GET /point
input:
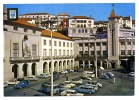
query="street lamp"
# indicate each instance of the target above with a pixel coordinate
(51, 21)
(94, 37)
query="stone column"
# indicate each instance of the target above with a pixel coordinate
(83, 64)
(132, 47)
(101, 52)
(29, 71)
(20, 71)
(126, 48)
(89, 64)
(101, 64)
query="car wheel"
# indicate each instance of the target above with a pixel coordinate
(90, 92)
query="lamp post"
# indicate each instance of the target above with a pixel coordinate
(94, 37)
(51, 21)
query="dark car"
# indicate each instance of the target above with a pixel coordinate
(104, 76)
(110, 75)
(22, 84)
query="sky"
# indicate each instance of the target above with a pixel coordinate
(98, 11)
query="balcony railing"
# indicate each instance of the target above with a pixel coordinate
(22, 59)
(58, 57)
(90, 57)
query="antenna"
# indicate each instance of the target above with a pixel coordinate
(113, 5)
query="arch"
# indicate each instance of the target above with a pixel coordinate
(33, 68)
(82, 30)
(85, 30)
(86, 64)
(56, 68)
(72, 64)
(64, 65)
(79, 31)
(81, 25)
(15, 70)
(68, 65)
(60, 66)
(98, 64)
(81, 64)
(45, 68)
(104, 64)
(25, 66)
(92, 65)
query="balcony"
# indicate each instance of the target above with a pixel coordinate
(89, 57)
(24, 59)
(58, 57)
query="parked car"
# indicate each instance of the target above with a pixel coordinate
(22, 84)
(64, 72)
(95, 83)
(43, 75)
(95, 87)
(77, 82)
(71, 70)
(85, 89)
(86, 78)
(12, 82)
(47, 88)
(71, 93)
(31, 78)
(20, 79)
(110, 75)
(5, 84)
(104, 76)
(88, 74)
(131, 74)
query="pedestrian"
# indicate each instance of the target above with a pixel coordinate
(67, 78)
(24, 93)
(114, 80)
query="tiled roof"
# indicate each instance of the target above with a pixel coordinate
(28, 19)
(54, 34)
(63, 14)
(35, 14)
(23, 21)
(80, 17)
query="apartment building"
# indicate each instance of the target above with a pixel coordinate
(80, 26)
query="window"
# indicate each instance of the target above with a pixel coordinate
(129, 52)
(34, 31)
(55, 52)
(92, 53)
(44, 42)
(63, 52)
(34, 50)
(129, 43)
(49, 42)
(133, 43)
(67, 44)
(122, 43)
(55, 43)
(85, 30)
(80, 45)
(81, 53)
(98, 52)
(104, 53)
(63, 44)
(133, 52)
(86, 44)
(98, 44)
(122, 52)
(70, 44)
(15, 28)
(91, 44)
(79, 31)
(71, 52)
(68, 52)
(25, 30)
(59, 52)
(44, 53)
(104, 44)
(59, 44)
(49, 52)
(15, 50)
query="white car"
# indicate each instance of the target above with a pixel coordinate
(12, 82)
(74, 82)
(71, 93)
(44, 75)
(69, 85)
(31, 78)
(71, 70)
(64, 72)
(131, 74)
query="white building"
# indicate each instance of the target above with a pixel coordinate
(62, 52)
(80, 26)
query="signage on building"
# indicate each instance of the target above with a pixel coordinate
(12, 14)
